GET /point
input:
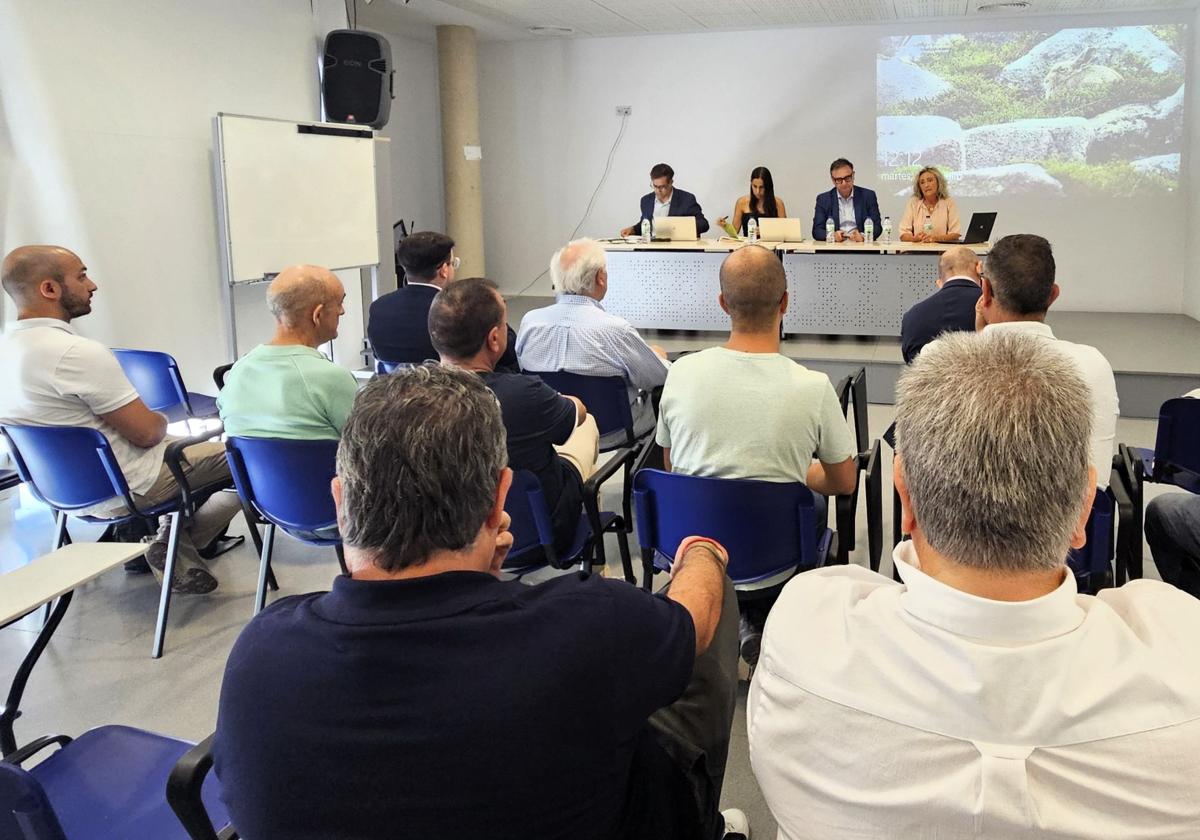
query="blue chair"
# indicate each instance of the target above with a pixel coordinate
(533, 530)
(70, 468)
(1174, 460)
(382, 367)
(852, 391)
(1092, 564)
(769, 528)
(159, 383)
(285, 482)
(110, 783)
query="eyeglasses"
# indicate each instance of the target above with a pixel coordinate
(660, 187)
(845, 180)
(455, 262)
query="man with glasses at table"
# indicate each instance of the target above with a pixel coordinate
(668, 201)
(849, 206)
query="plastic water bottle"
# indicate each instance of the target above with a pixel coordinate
(887, 230)
(829, 231)
(752, 230)
(645, 231)
(869, 230)
(928, 226)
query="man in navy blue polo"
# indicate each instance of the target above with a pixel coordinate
(425, 697)
(950, 309)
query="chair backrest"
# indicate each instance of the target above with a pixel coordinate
(1090, 563)
(1177, 446)
(531, 527)
(25, 810)
(286, 481)
(156, 377)
(382, 367)
(67, 467)
(606, 398)
(766, 526)
(219, 374)
(858, 397)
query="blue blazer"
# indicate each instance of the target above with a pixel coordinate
(949, 309)
(683, 203)
(865, 205)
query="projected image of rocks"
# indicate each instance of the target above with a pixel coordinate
(1078, 112)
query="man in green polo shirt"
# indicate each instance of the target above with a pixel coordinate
(286, 388)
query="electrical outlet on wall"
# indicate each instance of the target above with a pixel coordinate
(624, 110)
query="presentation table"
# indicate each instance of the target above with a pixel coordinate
(847, 288)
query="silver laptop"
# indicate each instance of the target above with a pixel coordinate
(780, 230)
(675, 228)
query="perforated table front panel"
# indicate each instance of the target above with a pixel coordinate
(669, 290)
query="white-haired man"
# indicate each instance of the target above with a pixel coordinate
(575, 334)
(982, 697)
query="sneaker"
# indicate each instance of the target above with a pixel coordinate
(737, 825)
(750, 641)
(192, 577)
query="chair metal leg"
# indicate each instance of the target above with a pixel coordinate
(874, 492)
(164, 598)
(260, 594)
(341, 556)
(647, 569)
(248, 515)
(626, 561)
(60, 529)
(12, 705)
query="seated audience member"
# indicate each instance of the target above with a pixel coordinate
(950, 308)
(550, 435)
(575, 334)
(1173, 533)
(52, 376)
(398, 323)
(981, 697)
(930, 202)
(760, 203)
(286, 388)
(667, 201)
(743, 410)
(849, 206)
(1018, 290)
(428, 698)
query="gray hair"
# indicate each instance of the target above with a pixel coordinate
(419, 462)
(292, 302)
(958, 261)
(992, 430)
(575, 266)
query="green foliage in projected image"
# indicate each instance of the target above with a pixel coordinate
(1101, 180)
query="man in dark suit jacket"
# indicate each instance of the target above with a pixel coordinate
(831, 205)
(678, 202)
(398, 324)
(951, 308)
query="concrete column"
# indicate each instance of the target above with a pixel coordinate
(458, 84)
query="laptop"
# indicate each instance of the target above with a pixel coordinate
(980, 229)
(674, 228)
(780, 230)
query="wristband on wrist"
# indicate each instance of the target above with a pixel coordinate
(712, 546)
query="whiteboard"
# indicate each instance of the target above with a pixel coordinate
(294, 192)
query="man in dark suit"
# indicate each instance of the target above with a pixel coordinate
(668, 201)
(398, 324)
(849, 206)
(951, 308)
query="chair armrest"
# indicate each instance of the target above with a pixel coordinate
(616, 461)
(36, 746)
(173, 457)
(184, 786)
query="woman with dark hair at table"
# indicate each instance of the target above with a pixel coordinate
(760, 203)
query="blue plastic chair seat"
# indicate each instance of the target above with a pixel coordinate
(583, 532)
(110, 784)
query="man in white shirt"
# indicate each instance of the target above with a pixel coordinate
(982, 697)
(52, 376)
(1018, 289)
(575, 334)
(743, 410)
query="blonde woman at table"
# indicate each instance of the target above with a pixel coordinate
(931, 202)
(760, 203)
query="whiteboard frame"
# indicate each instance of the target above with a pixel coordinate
(225, 243)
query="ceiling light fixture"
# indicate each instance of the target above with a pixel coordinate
(1003, 6)
(551, 30)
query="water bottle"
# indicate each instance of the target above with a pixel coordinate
(887, 230)
(928, 226)
(645, 231)
(829, 231)
(752, 230)
(869, 231)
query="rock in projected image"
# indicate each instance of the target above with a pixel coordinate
(919, 141)
(902, 81)
(1092, 47)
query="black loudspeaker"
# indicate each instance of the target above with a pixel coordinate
(357, 85)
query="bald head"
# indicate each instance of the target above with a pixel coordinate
(307, 300)
(752, 287)
(47, 281)
(959, 261)
(575, 268)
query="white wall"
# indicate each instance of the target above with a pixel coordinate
(1191, 283)
(109, 107)
(715, 105)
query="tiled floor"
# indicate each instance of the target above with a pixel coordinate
(98, 668)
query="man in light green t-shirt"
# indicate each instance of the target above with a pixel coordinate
(743, 410)
(286, 388)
